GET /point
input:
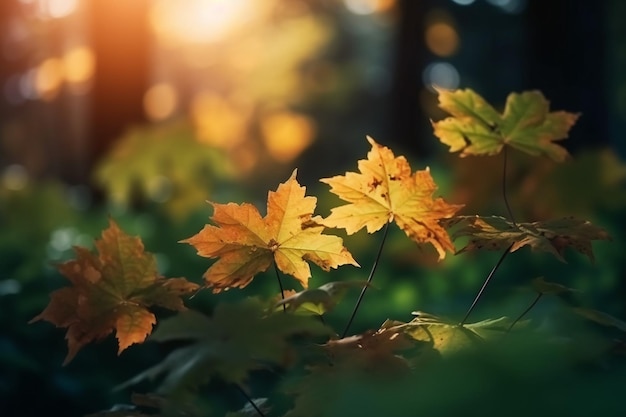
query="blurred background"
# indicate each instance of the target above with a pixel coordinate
(142, 110)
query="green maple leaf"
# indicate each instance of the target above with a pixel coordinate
(112, 291)
(319, 300)
(476, 128)
(235, 340)
(448, 337)
(552, 236)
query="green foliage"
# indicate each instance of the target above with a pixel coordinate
(164, 164)
(280, 357)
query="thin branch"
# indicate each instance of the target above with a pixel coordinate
(482, 289)
(280, 285)
(369, 280)
(250, 400)
(506, 201)
(530, 307)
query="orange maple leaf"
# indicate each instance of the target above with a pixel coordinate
(385, 191)
(247, 243)
(111, 291)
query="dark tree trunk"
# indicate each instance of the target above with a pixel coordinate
(120, 37)
(566, 61)
(408, 122)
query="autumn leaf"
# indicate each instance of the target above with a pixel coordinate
(386, 190)
(476, 128)
(247, 243)
(112, 291)
(552, 236)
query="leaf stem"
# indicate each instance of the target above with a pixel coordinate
(530, 307)
(280, 285)
(369, 280)
(506, 201)
(482, 289)
(250, 400)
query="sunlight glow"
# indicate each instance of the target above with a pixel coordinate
(49, 78)
(198, 21)
(287, 134)
(57, 9)
(442, 39)
(79, 64)
(365, 7)
(220, 122)
(160, 101)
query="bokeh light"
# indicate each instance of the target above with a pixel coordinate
(79, 64)
(287, 134)
(49, 78)
(14, 177)
(57, 9)
(442, 39)
(160, 101)
(441, 74)
(198, 21)
(365, 7)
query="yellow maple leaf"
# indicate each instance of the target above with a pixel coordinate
(112, 291)
(476, 128)
(247, 243)
(386, 190)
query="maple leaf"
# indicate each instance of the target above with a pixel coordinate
(448, 337)
(476, 128)
(318, 300)
(112, 291)
(553, 236)
(386, 190)
(247, 243)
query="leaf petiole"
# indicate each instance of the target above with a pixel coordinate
(250, 400)
(280, 285)
(530, 307)
(482, 289)
(369, 281)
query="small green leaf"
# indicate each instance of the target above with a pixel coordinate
(319, 300)
(448, 337)
(601, 318)
(549, 288)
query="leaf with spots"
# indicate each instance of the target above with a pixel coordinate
(527, 124)
(386, 190)
(112, 290)
(552, 236)
(247, 243)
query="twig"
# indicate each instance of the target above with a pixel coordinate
(480, 293)
(369, 280)
(250, 400)
(525, 311)
(280, 285)
(506, 201)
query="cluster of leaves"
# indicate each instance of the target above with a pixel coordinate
(286, 335)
